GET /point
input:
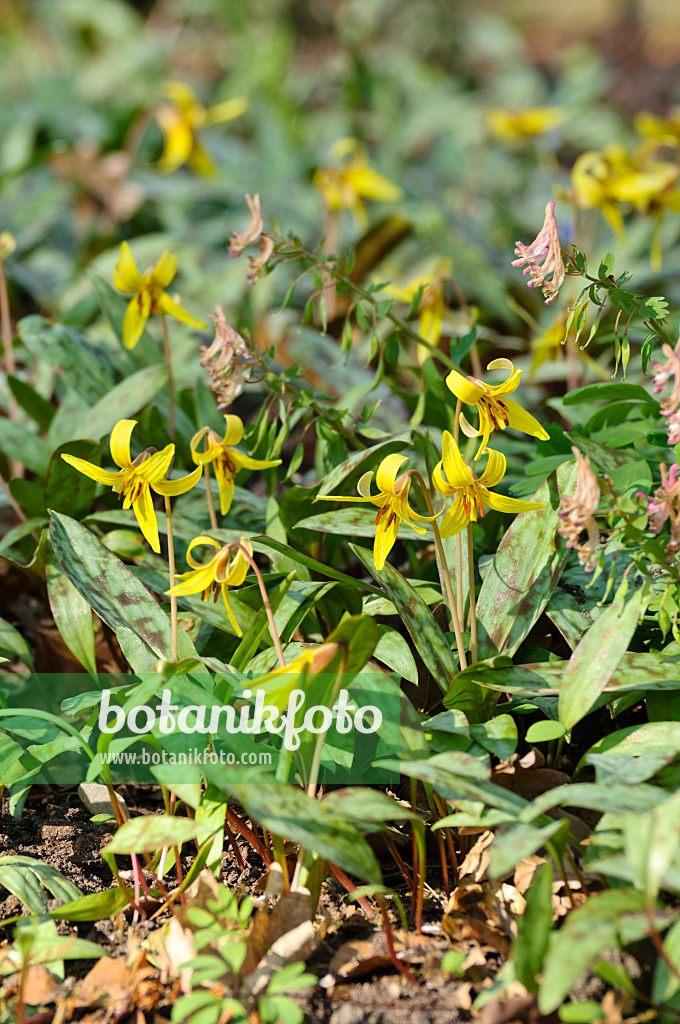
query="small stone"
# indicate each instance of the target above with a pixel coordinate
(95, 798)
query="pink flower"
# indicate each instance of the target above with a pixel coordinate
(543, 257)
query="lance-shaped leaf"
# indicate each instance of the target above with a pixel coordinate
(597, 656)
(430, 642)
(524, 571)
(72, 613)
(117, 596)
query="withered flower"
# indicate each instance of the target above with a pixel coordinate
(670, 406)
(240, 240)
(543, 257)
(105, 189)
(576, 513)
(663, 506)
(227, 359)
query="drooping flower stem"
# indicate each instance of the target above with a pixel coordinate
(458, 542)
(211, 503)
(473, 603)
(10, 364)
(265, 601)
(444, 575)
(174, 655)
(167, 355)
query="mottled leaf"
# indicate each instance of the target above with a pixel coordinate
(524, 571)
(72, 613)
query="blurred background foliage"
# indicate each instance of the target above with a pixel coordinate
(428, 87)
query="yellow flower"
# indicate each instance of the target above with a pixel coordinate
(150, 295)
(658, 127)
(280, 682)
(135, 480)
(8, 244)
(515, 126)
(472, 494)
(432, 304)
(606, 178)
(391, 499)
(495, 410)
(181, 122)
(345, 186)
(226, 460)
(226, 569)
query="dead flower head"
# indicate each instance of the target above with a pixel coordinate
(576, 513)
(663, 506)
(227, 359)
(543, 257)
(240, 240)
(670, 406)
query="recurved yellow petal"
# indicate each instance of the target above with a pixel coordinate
(385, 535)
(495, 468)
(166, 305)
(520, 419)
(178, 140)
(102, 476)
(463, 388)
(146, 517)
(165, 269)
(136, 315)
(171, 488)
(227, 110)
(126, 277)
(234, 432)
(119, 442)
(454, 520)
(387, 472)
(501, 503)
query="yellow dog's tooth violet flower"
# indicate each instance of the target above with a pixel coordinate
(134, 481)
(392, 502)
(345, 186)
(432, 303)
(453, 476)
(514, 126)
(227, 568)
(180, 122)
(224, 458)
(495, 410)
(149, 294)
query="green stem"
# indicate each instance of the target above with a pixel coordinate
(167, 355)
(265, 601)
(10, 364)
(444, 575)
(174, 655)
(473, 603)
(323, 266)
(458, 540)
(211, 503)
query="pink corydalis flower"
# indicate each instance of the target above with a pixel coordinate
(663, 505)
(543, 257)
(670, 406)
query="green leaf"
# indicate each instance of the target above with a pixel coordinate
(151, 832)
(517, 841)
(589, 929)
(30, 881)
(26, 447)
(428, 638)
(121, 402)
(292, 814)
(348, 522)
(37, 407)
(609, 391)
(524, 571)
(72, 613)
(311, 563)
(95, 906)
(533, 931)
(67, 490)
(597, 656)
(13, 645)
(117, 596)
(393, 651)
(545, 731)
(651, 843)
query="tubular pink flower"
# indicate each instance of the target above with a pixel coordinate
(543, 257)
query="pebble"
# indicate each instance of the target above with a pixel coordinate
(95, 798)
